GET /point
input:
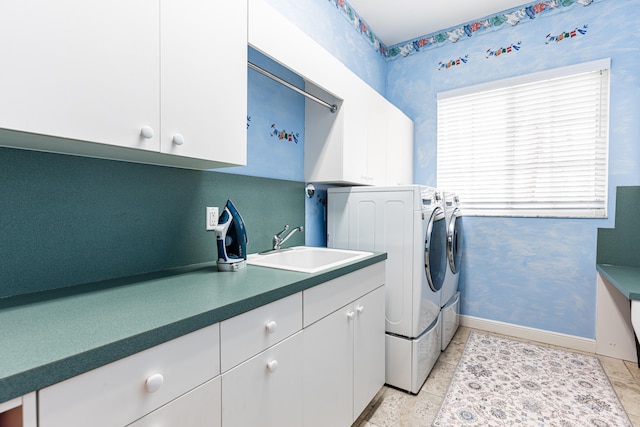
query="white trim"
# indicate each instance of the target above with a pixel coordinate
(585, 67)
(10, 404)
(524, 332)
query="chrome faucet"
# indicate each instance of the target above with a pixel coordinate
(278, 240)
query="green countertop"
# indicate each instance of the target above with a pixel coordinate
(54, 335)
(625, 279)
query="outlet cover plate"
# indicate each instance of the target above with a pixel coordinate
(212, 218)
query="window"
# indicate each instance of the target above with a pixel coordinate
(534, 145)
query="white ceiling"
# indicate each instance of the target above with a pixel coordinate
(402, 20)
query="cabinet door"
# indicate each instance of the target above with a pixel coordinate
(198, 408)
(204, 88)
(399, 147)
(265, 390)
(369, 349)
(377, 139)
(328, 370)
(354, 139)
(324, 142)
(81, 70)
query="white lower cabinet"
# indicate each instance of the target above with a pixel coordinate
(314, 358)
(368, 349)
(265, 390)
(198, 408)
(344, 362)
(344, 351)
(124, 391)
(246, 335)
(328, 371)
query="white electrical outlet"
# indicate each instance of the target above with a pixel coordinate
(212, 218)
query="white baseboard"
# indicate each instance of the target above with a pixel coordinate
(546, 337)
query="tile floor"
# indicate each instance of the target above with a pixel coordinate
(394, 408)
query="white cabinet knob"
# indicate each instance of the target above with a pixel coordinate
(271, 326)
(146, 132)
(178, 139)
(154, 382)
(272, 366)
(350, 315)
(360, 309)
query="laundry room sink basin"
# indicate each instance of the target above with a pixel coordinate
(306, 259)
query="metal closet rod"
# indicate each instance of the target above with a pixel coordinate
(332, 107)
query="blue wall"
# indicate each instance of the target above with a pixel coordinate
(275, 124)
(538, 273)
(532, 272)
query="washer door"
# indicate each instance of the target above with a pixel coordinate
(454, 241)
(435, 249)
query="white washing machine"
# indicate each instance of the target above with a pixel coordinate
(408, 223)
(449, 296)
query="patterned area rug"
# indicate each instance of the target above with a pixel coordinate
(501, 382)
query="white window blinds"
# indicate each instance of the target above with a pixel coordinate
(535, 145)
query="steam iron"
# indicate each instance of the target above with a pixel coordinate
(231, 239)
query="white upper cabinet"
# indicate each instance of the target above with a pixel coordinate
(350, 146)
(81, 70)
(130, 80)
(204, 88)
(376, 131)
(399, 147)
(368, 141)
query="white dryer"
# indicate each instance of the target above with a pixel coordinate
(408, 223)
(450, 297)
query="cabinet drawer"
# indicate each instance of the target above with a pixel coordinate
(248, 334)
(198, 408)
(326, 298)
(121, 392)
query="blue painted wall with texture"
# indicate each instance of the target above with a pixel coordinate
(275, 124)
(538, 273)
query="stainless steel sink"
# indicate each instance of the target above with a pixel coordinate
(306, 259)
